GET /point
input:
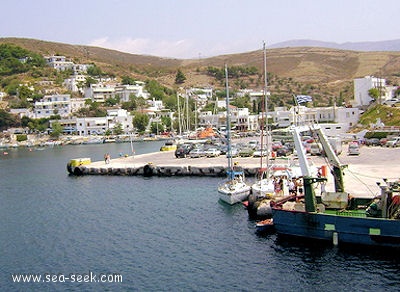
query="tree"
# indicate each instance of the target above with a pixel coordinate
(118, 130)
(56, 130)
(374, 93)
(180, 78)
(140, 121)
(126, 80)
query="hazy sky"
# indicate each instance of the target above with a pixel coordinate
(198, 28)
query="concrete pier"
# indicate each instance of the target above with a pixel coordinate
(165, 164)
(362, 174)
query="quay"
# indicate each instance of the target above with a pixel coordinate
(164, 163)
(362, 174)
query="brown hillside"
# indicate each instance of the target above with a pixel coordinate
(318, 66)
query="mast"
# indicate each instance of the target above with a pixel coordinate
(179, 114)
(265, 109)
(228, 123)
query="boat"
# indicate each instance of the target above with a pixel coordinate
(272, 181)
(265, 226)
(264, 187)
(375, 224)
(169, 145)
(234, 189)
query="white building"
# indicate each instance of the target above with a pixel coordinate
(334, 120)
(99, 125)
(77, 103)
(124, 92)
(75, 83)
(363, 85)
(51, 105)
(59, 63)
(99, 93)
(240, 118)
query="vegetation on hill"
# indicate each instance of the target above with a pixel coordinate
(325, 74)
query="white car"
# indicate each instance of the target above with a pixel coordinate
(196, 153)
(393, 142)
(354, 149)
(212, 152)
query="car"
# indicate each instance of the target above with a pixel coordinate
(197, 153)
(354, 149)
(284, 151)
(395, 142)
(372, 142)
(212, 152)
(392, 102)
(316, 148)
(246, 152)
(276, 145)
(183, 150)
(234, 153)
(260, 153)
(253, 144)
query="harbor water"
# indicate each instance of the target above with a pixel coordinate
(157, 233)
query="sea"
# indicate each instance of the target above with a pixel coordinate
(132, 233)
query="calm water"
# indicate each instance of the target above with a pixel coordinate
(160, 234)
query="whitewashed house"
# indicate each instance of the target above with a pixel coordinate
(363, 85)
(51, 105)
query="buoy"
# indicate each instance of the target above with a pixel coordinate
(324, 171)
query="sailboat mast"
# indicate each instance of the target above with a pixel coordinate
(228, 121)
(265, 109)
(179, 114)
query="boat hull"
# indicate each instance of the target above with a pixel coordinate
(234, 196)
(338, 229)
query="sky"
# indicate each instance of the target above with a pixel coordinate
(186, 29)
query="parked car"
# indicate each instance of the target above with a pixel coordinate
(183, 150)
(276, 145)
(212, 152)
(197, 153)
(246, 152)
(373, 142)
(316, 148)
(395, 142)
(284, 151)
(392, 102)
(259, 153)
(354, 149)
(234, 152)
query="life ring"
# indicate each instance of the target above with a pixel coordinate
(148, 170)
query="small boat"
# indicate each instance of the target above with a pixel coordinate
(374, 224)
(169, 146)
(234, 189)
(265, 226)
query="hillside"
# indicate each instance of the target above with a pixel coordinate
(329, 70)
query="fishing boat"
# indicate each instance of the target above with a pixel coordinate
(234, 189)
(374, 224)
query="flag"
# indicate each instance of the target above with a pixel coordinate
(303, 98)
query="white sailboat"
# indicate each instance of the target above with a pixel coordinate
(234, 189)
(264, 187)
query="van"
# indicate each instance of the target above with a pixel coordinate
(354, 149)
(316, 148)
